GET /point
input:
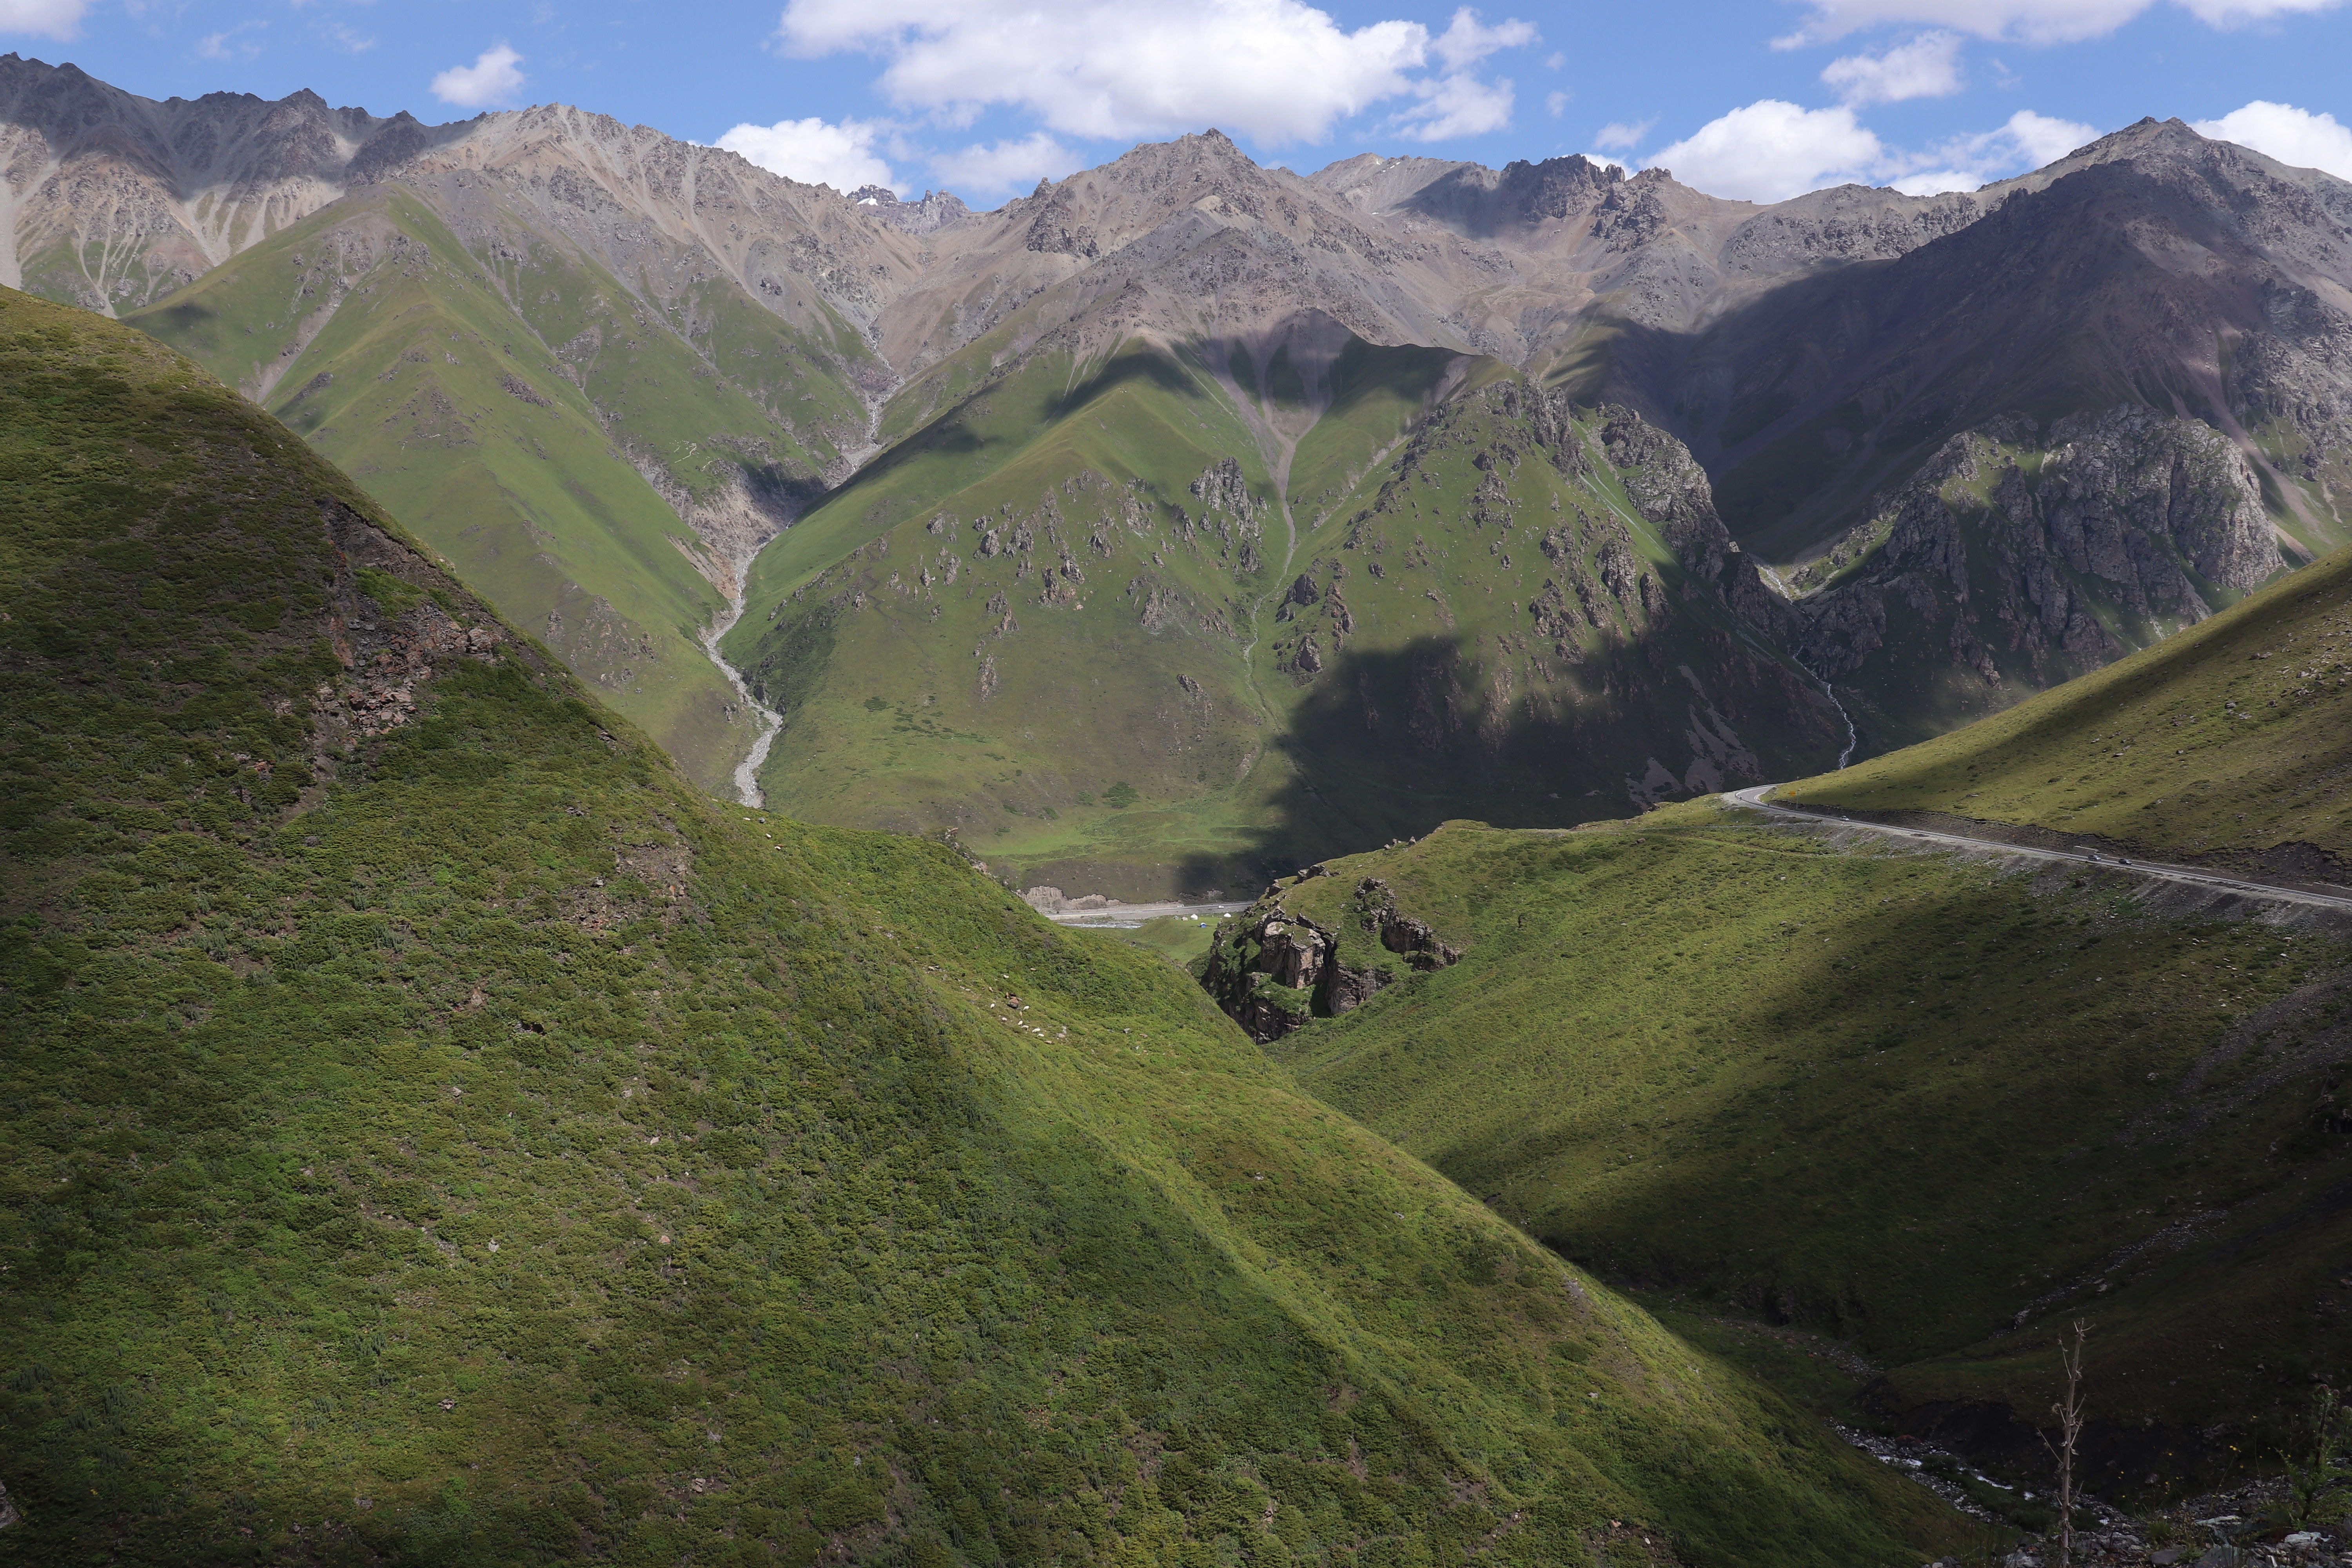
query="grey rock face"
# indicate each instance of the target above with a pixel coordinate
(2292, 381)
(2126, 525)
(1672, 491)
(935, 211)
(116, 199)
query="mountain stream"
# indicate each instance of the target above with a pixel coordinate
(1853, 735)
(747, 772)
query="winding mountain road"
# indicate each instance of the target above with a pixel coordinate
(1753, 798)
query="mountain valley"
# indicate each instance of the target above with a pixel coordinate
(1934, 1105)
(448, 1135)
(541, 659)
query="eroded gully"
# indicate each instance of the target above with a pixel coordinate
(772, 722)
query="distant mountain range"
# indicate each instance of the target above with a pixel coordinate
(1940, 452)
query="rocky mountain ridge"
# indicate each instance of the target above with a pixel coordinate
(738, 346)
(1688, 307)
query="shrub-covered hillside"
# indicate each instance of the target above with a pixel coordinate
(1158, 624)
(435, 1133)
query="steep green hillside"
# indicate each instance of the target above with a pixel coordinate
(1075, 619)
(589, 464)
(438, 1133)
(1522, 615)
(1932, 1106)
(2228, 741)
(1023, 607)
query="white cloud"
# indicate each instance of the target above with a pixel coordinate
(1468, 40)
(59, 19)
(1772, 151)
(491, 78)
(227, 46)
(2238, 13)
(1620, 134)
(2045, 139)
(815, 153)
(2291, 135)
(2027, 21)
(2027, 141)
(1275, 71)
(1458, 104)
(1556, 104)
(340, 36)
(984, 171)
(1927, 67)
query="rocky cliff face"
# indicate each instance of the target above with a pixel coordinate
(2017, 558)
(113, 200)
(1274, 970)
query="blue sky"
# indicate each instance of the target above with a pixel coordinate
(1756, 101)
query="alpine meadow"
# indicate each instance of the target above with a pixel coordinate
(1636, 858)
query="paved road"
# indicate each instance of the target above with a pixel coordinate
(1754, 799)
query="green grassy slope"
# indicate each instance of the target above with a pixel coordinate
(1933, 1107)
(510, 407)
(1375, 395)
(439, 1133)
(1060, 588)
(2228, 740)
(1520, 617)
(1032, 601)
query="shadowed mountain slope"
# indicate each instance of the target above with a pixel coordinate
(1933, 1103)
(441, 1134)
(1065, 622)
(1936, 1107)
(2014, 561)
(2155, 267)
(2227, 744)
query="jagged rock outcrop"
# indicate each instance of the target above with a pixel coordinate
(1672, 491)
(2026, 557)
(934, 211)
(1274, 970)
(388, 636)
